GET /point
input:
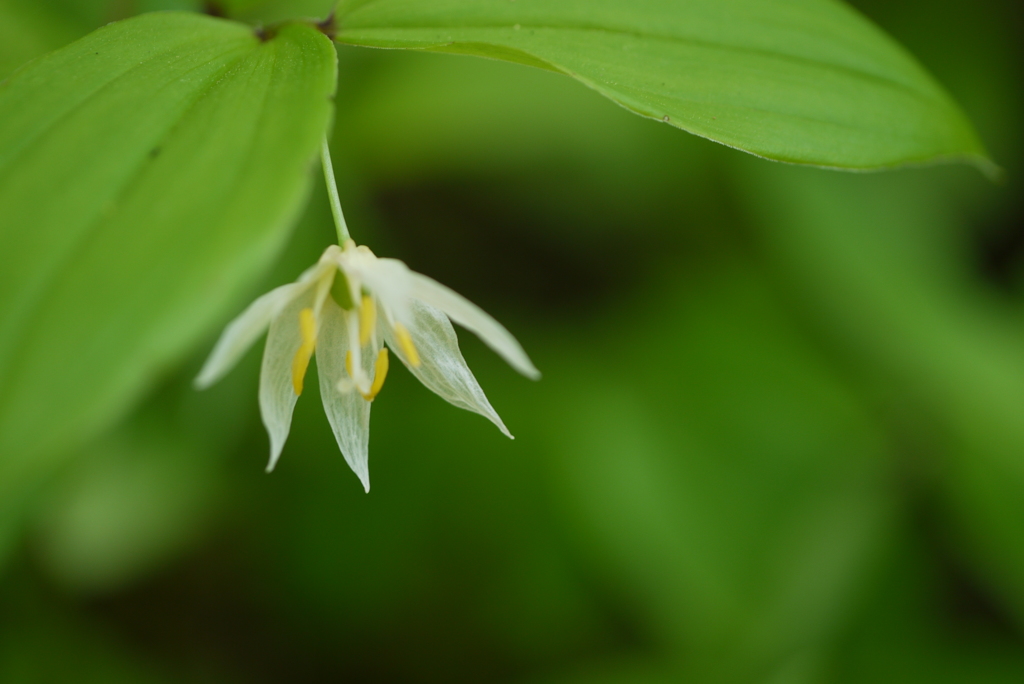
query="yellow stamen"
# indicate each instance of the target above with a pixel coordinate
(307, 328)
(367, 320)
(408, 348)
(348, 364)
(380, 373)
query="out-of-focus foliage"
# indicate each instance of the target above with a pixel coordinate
(778, 437)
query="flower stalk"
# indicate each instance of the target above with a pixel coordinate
(332, 193)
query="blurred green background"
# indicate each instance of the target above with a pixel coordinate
(779, 438)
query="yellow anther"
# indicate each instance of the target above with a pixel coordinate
(408, 348)
(307, 328)
(380, 373)
(367, 320)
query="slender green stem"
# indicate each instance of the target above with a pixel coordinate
(332, 192)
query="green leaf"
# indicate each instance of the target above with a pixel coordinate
(148, 173)
(803, 81)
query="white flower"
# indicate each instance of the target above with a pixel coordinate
(345, 308)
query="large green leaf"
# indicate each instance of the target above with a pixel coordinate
(148, 172)
(805, 81)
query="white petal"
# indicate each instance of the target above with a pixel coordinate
(442, 368)
(347, 411)
(239, 335)
(390, 280)
(473, 318)
(277, 395)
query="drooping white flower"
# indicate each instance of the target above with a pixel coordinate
(345, 309)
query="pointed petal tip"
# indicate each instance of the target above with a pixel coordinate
(500, 425)
(275, 454)
(522, 364)
(205, 378)
(467, 314)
